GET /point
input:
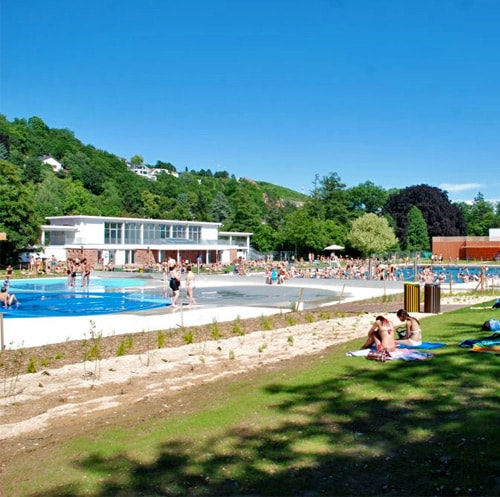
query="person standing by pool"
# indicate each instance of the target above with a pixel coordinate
(175, 284)
(190, 285)
(71, 272)
(85, 265)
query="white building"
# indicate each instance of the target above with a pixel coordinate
(53, 163)
(140, 242)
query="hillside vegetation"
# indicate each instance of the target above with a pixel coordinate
(96, 182)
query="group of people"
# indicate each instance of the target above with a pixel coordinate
(174, 272)
(382, 333)
(73, 266)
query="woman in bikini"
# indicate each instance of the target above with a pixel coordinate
(190, 285)
(381, 334)
(413, 334)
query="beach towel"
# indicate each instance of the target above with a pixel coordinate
(423, 345)
(410, 355)
(487, 346)
(358, 353)
(490, 341)
(402, 354)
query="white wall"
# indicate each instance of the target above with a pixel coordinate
(494, 234)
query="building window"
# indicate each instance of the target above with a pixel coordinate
(156, 233)
(195, 233)
(178, 231)
(133, 233)
(112, 233)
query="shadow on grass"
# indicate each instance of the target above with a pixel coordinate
(426, 428)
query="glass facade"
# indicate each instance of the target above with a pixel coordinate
(112, 233)
(133, 233)
(178, 231)
(156, 233)
(195, 233)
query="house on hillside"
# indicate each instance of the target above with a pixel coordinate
(53, 163)
(142, 170)
(124, 242)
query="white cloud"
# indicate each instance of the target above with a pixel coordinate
(460, 187)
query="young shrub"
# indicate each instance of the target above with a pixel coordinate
(215, 330)
(188, 337)
(237, 328)
(31, 367)
(160, 339)
(267, 322)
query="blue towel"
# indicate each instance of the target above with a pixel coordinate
(424, 345)
(471, 343)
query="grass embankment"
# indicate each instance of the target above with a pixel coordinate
(328, 425)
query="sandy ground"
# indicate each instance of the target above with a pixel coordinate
(77, 391)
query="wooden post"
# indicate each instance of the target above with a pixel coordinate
(2, 344)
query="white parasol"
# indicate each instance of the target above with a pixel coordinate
(334, 247)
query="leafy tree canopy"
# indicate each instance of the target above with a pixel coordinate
(371, 234)
(441, 216)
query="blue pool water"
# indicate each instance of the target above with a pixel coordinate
(52, 297)
(457, 274)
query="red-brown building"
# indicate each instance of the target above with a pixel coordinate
(473, 248)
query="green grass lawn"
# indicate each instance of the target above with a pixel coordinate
(330, 425)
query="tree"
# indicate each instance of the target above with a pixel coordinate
(220, 210)
(418, 239)
(33, 170)
(480, 216)
(247, 207)
(50, 194)
(79, 201)
(18, 217)
(371, 234)
(441, 216)
(329, 201)
(367, 198)
(265, 239)
(137, 160)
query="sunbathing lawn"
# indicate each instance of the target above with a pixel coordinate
(324, 425)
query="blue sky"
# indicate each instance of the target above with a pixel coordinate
(396, 92)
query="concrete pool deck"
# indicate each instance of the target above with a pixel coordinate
(31, 332)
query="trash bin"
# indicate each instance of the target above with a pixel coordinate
(432, 298)
(412, 297)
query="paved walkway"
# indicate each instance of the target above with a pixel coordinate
(343, 295)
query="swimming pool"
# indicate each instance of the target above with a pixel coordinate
(457, 274)
(52, 297)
